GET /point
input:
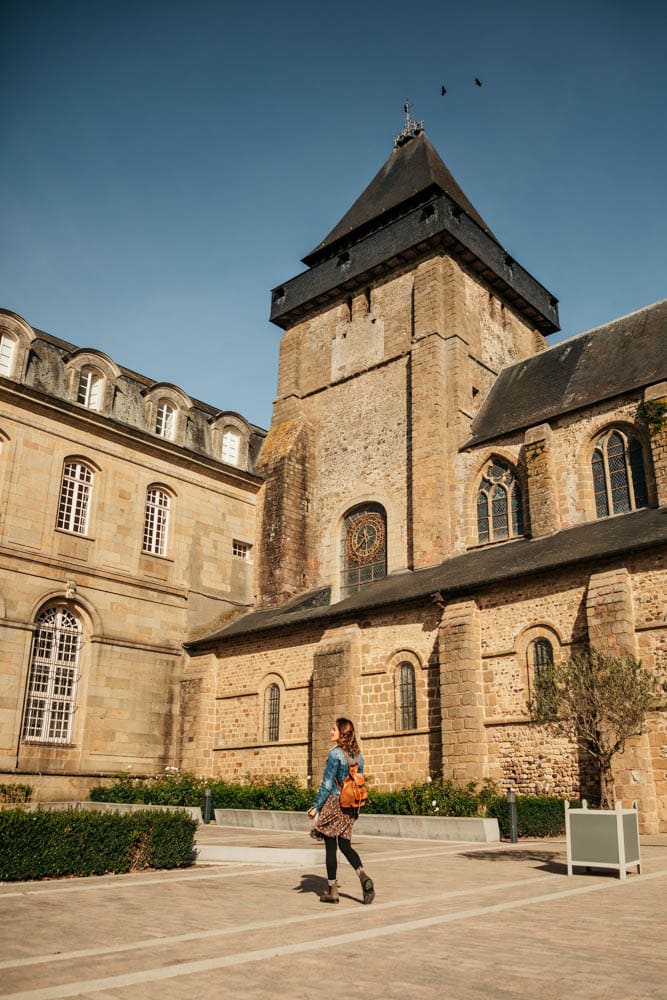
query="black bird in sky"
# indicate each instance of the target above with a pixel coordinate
(478, 81)
(444, 90)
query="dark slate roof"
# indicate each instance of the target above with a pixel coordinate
(605, 538)
(627, 354)
(411, 209)
(411, 170)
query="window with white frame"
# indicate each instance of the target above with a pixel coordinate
(165, 420)
(156, 521)
(54, 668)
(89, 390)
(241, 549)
(231, 446)
(75, 496)
(619, 480)
(7, 351)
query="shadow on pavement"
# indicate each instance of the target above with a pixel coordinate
(548, 861)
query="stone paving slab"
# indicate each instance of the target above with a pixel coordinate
(459, 921)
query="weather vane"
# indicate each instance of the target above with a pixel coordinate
(411, 128)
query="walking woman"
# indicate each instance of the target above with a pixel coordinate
(334, 824)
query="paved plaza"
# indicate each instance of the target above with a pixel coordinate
(450, 920)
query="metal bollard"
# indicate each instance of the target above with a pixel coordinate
(514, 826)
(207, 805)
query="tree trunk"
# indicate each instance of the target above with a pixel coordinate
(606, 785)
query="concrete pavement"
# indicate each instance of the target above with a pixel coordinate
(461, 921)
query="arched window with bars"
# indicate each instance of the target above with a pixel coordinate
(54, 664)
(619, 478)
(499, 504)
(406, 698)
(272, 713)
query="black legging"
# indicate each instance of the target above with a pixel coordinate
(347, 850)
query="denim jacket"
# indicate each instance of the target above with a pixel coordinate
(335, 770)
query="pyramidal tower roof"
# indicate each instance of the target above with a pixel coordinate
(413, 171)
(411, 209)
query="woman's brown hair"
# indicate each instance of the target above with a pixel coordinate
(347, 739)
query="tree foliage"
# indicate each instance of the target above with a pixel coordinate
(602, 699)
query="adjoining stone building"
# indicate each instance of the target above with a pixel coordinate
(127, 519)
(447, 504)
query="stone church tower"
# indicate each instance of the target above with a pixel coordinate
(408, 310)
(448, 504)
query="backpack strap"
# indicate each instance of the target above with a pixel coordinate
(350, 762)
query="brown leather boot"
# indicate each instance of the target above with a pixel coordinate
(367, 886)
(331, 895)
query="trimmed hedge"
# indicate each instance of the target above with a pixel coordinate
(43, 844)
(537, 815)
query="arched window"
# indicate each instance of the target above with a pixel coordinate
(7, 352)
(53, 675)
(272, 713)
(499, 504)
(543, 655)
(619, 480)
(406, 700)
(89, 390)
(75, 496)
(364, 547)
(156, 521)
(231, 446)
(165, 420)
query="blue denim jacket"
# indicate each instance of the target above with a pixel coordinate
(335, 770)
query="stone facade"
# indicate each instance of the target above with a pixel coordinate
(134, 607)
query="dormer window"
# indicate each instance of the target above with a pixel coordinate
(7, 352)
(89, 391)
(165, 420)
(231, 446)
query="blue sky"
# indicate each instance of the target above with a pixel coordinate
(165, 164)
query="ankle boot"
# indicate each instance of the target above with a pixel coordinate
(367, 886)
(331, 895)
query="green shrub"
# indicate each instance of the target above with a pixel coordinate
(537, 815)
(15, 793)
(44, 844)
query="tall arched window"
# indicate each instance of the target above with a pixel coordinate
(543, 655)
(7, 352)
(406, 696)
(89, 389)
(75, 495)
(364, 547)
(165, 420)
(499, 504)
(53, 675)
(272, 713)
(156, 521)
(619, 480)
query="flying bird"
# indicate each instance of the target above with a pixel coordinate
(478, 81)
(444, 90)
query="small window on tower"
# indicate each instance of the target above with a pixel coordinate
(241, 550)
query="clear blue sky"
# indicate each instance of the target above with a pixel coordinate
(165, 164)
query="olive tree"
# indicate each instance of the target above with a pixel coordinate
(600, 699)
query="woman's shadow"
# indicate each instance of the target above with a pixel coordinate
(318, 885)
